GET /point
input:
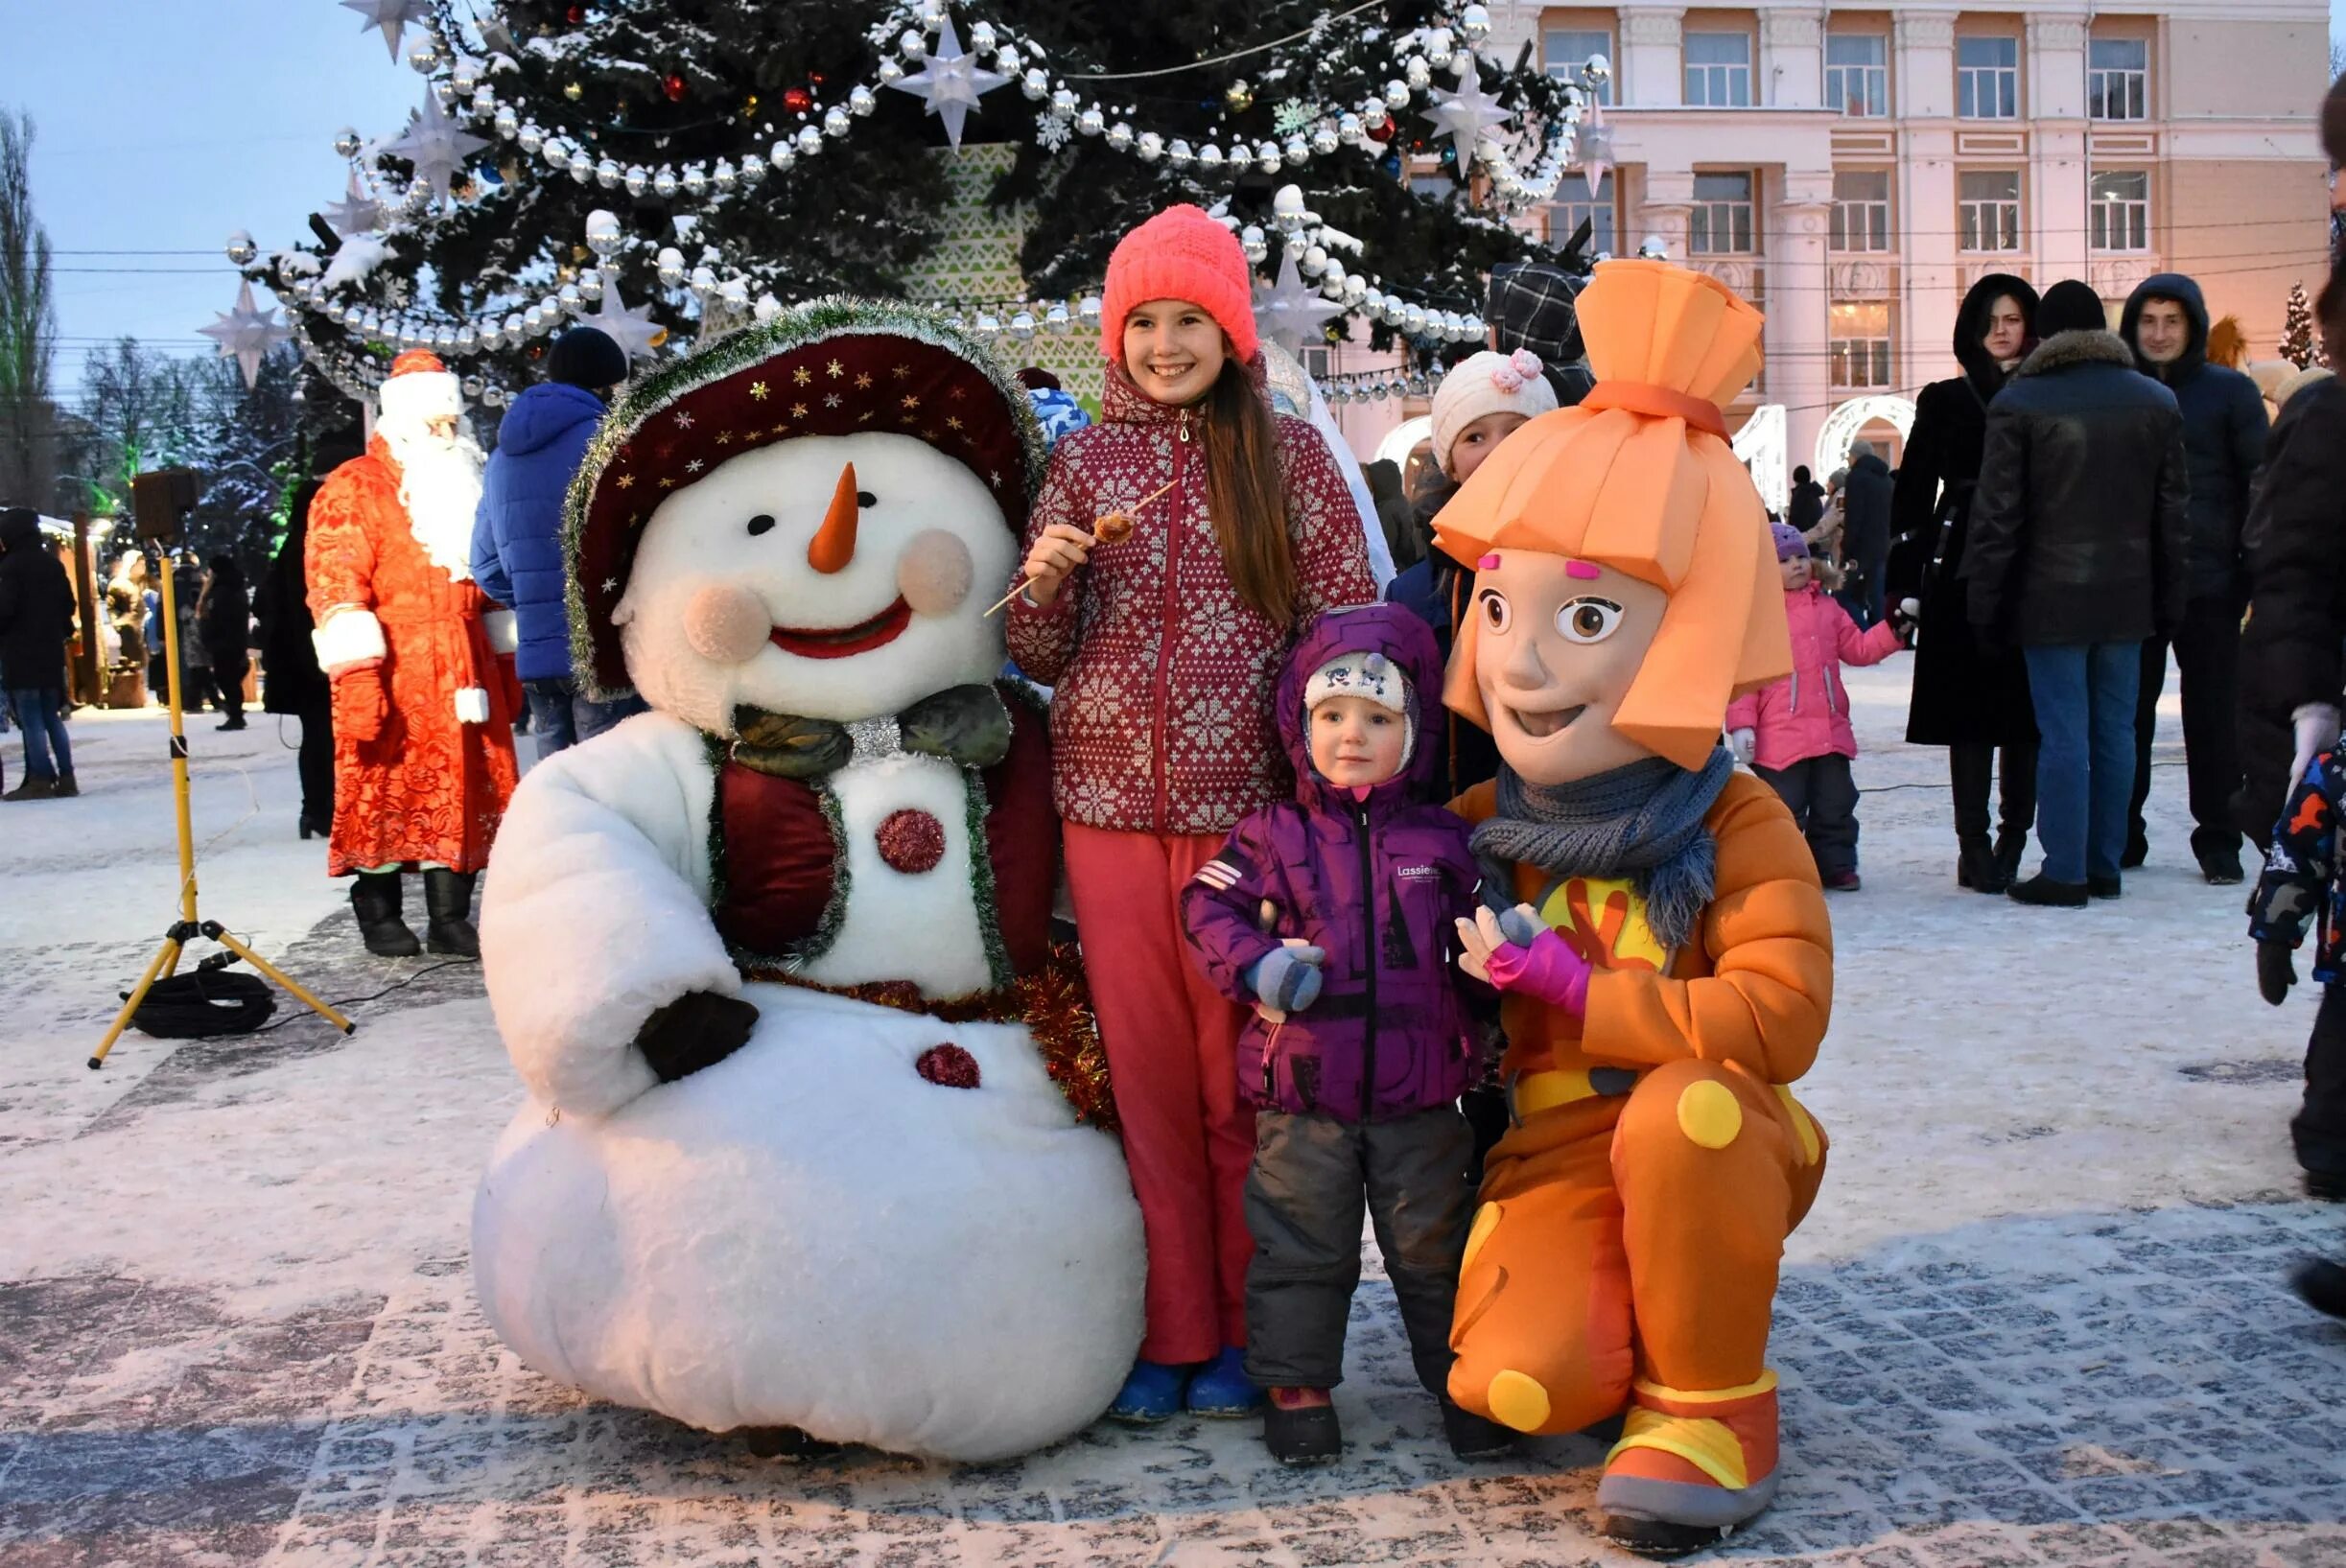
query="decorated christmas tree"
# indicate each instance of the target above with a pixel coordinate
(2300, 344)
(666, 168)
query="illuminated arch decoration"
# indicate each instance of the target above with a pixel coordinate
(1841, 425)
(1763, 447)
(1398, 443)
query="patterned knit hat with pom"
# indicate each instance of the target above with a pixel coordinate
(1180, 255)
(1374, 676)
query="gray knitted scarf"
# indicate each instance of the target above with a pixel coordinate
(1643, 821)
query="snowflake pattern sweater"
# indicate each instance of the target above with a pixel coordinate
(1163, 678)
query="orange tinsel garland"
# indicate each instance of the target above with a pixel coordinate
(1053, 1002)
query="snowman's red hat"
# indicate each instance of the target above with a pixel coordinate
(836, 366)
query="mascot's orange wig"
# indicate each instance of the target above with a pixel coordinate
(1639, 477)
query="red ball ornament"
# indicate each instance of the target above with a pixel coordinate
(1381, 133)
(673, 86)
(947, 1066)
(798, 100)
(575, 15)
(911, 841)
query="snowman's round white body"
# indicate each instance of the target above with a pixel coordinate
(817, 1231)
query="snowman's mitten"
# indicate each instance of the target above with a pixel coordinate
(1288, 978)
(698, 1029)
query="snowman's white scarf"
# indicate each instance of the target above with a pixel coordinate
(440, 486)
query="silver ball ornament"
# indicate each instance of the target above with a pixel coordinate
(782, 157)
(425, 57)
(569, 297)
(1064, 102)
(607, 175)
(532, 140)
(1056, 319)
(890, 71)
(581, 166)
(670, 267)
(1036, 83)
(1022, 326)
(1209, 157)
(724, 176)
(913, 44)
(1418, 71)
(241, 248)
(663, 183)
(346, 142)
(1088, 310)
(696, 181)
(1120, 137)
(1091, 121)
(1298, 151)
(637, 179)
(1150, 146)
(1598, 71)
(809, 141)
(860, 103)
(472, 386)
(982, 39)
(1440, 51)
(508, 124)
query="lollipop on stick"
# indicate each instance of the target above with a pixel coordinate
(1112, 529)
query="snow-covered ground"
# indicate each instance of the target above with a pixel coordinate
(2037, 1317)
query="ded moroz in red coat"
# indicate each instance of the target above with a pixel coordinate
(430, 788)
(1163, 677)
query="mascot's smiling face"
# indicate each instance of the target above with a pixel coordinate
(829, 577)
(1558, 644)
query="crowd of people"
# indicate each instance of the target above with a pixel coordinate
(1322, 993)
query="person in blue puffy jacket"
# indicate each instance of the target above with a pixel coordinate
(517, 537)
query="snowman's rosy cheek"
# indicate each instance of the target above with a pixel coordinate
(726, 624)
(935, 572)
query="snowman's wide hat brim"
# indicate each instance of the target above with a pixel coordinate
(835, 367)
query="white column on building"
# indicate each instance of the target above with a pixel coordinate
(1666, 209)
(1923, 90)
(1799, 317)
(2052, 76)
(1651, 69)
(1792, 58)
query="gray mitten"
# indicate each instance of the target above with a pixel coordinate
(1288, 978)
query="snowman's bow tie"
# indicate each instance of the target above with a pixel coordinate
(968, 725)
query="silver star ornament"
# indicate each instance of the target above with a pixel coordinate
(393, 16)
(951, 82)
(630, 326)
(356, 213)
(246, 333)
(1462, 115)
(1289, 311)
(436, 147)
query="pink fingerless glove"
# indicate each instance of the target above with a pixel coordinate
(1548, 969)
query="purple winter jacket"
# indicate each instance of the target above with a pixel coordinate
(1375, 882)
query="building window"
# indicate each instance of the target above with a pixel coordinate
(2118, 78)
(1990, 200)
(1861, 210)
(1573, 202)
(2119, 211)
(1721, 223)
(1860, 345)
(1563, 51)
(1719, 70)
(1987, 79)
(1857, 73)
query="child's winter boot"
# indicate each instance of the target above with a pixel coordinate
(1152, 1393)
(1222, 1388)
(1300, 1427)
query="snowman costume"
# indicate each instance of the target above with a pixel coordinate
(878, 1219)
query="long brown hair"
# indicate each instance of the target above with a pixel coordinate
(1246, 496)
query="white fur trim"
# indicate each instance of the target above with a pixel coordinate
(472, 705)
(596, 911)
(505, 635)
(350, 638)
(411, 398)
(885, 905)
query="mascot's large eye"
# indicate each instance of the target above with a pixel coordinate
(1588, 618)
(1496, 615)
(759, 523)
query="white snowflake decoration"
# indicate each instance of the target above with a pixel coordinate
(1292, 118)
(1051, 132)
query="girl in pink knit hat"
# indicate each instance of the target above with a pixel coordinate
(1175, 549)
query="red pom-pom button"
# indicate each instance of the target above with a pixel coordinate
(949, 1066)
(911, 841)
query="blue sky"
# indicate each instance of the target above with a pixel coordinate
(253, 92)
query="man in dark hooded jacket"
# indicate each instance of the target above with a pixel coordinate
(1864, 544)
(2166, 323)
(36, 613)
(517, 538)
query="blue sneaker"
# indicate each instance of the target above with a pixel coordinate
(1151, 1393)
(1222, 1388)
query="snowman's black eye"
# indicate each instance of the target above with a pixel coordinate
(865, 498)
(759, 523)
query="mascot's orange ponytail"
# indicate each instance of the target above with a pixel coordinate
(1625, 1252)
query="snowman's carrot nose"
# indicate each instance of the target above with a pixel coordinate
(834, 544)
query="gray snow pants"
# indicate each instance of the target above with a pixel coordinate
(1313, 1175)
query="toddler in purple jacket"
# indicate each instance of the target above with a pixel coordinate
(1332, 915)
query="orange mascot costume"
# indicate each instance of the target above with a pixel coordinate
(1654, 922)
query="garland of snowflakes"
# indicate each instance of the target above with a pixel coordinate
(950, 80)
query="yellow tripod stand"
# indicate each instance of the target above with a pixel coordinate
(162, 498)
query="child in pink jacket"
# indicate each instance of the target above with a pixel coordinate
(1796, 734)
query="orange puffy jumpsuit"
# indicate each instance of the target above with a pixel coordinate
(1632, 1218)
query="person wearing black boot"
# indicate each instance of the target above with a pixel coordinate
(1973, 702)
(2077, 541)
(293, 684)
(374, 899)
(448, 901)
(224, 614)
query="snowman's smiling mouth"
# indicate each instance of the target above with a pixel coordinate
(840, 641)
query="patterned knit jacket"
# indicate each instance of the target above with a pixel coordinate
(1161, 717)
